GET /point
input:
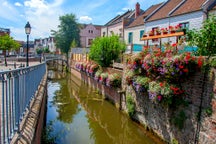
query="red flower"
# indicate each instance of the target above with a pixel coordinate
(185, 70)
(174, 45)
(161, 84)
(159, 97)
(200, 61)
(181, 66)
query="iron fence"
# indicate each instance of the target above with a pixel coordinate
(17, 89)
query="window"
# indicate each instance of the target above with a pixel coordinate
(130, 37)
(89, 41)
(104, 33)
(141, 33)
(185, 25)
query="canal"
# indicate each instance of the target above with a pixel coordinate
(77, 114)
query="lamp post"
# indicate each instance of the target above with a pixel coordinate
(27, 31)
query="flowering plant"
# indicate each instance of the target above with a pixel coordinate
(113, 80)
(97, 75)
(103, 77)
(163, 73)
(141, 83)
(164, 30)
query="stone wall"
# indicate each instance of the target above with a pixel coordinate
(109, 93)
(200, 94)
(161, 119)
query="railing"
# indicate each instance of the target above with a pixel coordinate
(17, 89)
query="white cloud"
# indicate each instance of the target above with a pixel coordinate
(85, 19)
(125, 9)
(43, 16)
(8, 12)
(18, 4)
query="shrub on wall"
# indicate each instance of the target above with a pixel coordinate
(160, 74)
(130, 105)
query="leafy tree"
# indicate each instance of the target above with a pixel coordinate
(204, 39)
(39, 51)
(105, 49)
(68, 31)
(8, 43)
(46, 50)
(73, 44)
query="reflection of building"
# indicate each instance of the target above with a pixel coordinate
(88, 32)
(79, 54)
(4, 31)
(45, 43)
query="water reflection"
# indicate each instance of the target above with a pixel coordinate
(81, 116)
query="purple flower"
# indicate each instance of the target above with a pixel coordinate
(152, 95)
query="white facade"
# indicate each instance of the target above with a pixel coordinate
(194, 19)
(136, 34)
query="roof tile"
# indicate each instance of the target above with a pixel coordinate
(139, 20)
(165, 10)
(189, 6)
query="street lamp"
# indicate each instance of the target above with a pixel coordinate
(27, 31)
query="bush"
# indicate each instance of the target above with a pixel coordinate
(130, 105)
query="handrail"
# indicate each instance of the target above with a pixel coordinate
(17, 89)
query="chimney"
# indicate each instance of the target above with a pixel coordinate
(137, 10)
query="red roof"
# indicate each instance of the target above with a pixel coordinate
(140, 19)
(164, 11)
(189, 6)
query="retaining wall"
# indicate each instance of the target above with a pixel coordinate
(200, 94)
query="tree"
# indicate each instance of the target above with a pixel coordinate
(105, 49)
(7, 43)
(204, 39)
(68, 31)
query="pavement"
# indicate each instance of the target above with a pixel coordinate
(11, 65)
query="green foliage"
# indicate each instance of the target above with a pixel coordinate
(204, 39)
(67, 32)
(209, 111)
(174, 141)
(47, 137)
(179, 119)
(130, 105)
(39, 51)
(73, 44)
(42, 50)
(46, 50)
(213, 62)
(8, 43)
(105, 49)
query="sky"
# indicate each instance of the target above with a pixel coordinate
(43, 15)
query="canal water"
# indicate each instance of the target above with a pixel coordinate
(77, 114)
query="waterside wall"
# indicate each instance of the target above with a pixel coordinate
(183, 123)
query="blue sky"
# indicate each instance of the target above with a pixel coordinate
(43, 15)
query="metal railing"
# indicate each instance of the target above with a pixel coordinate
(17, 89)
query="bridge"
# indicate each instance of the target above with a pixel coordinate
(21, 98)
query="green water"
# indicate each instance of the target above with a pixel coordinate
(79, 115)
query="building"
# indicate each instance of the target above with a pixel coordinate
(118, 24)
(190, 14)
(134, 32)
(45, 43)
(88, 32)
